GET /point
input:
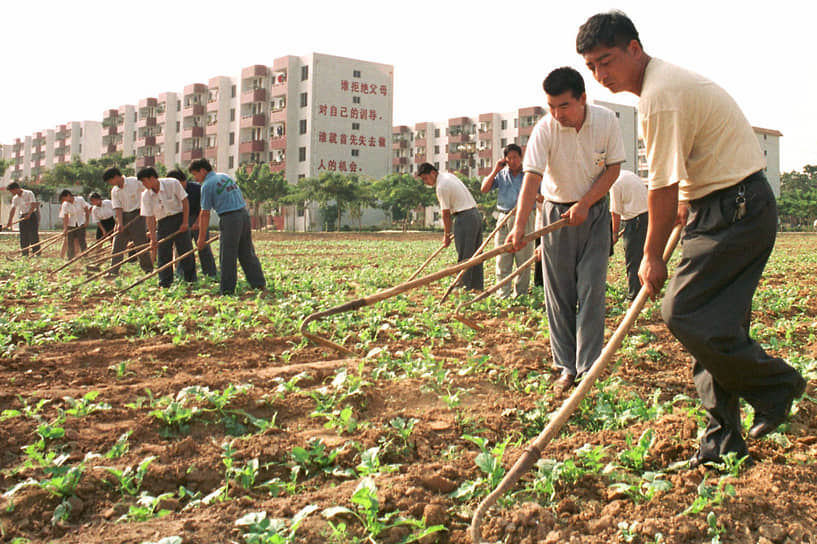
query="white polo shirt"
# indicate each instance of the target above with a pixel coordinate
(103, 211)
(128, 196)
(22, 202)
(695, 133)
(166, 202)
(570, 161)
(453, 194)
(628, 196)
(75, 211)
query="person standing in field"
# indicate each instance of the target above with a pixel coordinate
(506, 178)
(573, 157)
(705, 172)
(25, 204)
(460, 217)
(193, 190)
(220, 193)
(126, 194)
(74, 212)
(165, 207)
(103, 214)
(628, 207)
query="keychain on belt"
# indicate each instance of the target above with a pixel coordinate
(740, 204)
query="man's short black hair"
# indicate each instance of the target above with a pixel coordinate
(511, 147)
(65, 193)
(111, 173)
(426, 168)
(564, 79)
(178, 174)
(94, 195)
(611, 29)
(13, 185)
(200, 164)
(147, 172)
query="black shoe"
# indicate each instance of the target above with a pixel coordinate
(766, 423)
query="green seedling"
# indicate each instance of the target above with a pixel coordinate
(130, 479)
(147, 507)
(262, 530)
(85, 405)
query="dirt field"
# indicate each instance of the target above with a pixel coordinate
(151, 415)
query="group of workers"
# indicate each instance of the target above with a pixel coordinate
(165, 212)
(706, 173)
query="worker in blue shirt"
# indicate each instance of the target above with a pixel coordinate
(193, 189)
(220, 193)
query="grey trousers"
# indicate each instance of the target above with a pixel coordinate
(505, 261)
(635, 234)
(467, 238)
(575, 270)
(29, 234)
(236, 243)
(708, 305)
(134, 233)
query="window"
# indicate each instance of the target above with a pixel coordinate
(232, 95)
(436, 133)
(516, 123)
(231, 162)
(302, 126)
(232, 114)
(177, 147)
(301, 154)
(232, 138)
(356, 73)
(355, 152)
(503, 124)
(618, 115)
(301, 176)
(436, 150)
(178, 106)
(503, 142)
(355, 126)
(356, 100)
(303, 100)
(304, 73)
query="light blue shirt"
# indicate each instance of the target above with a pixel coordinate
(509, 187)
(220, 193)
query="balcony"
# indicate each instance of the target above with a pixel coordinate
(192, 154)
(211, 130)
(193, 110)
(146, 141)
(420, 143)
(160, 158)
(257, 70)
(278, 116)
(144, 122)
(486, 153)
(525, 131)
(254, 95)
(161, 119)
(111, 148)
(160, 139)
(210, 152)
(278, 143)
(142, 162)
(255, 120)
(459, 121)
(482, 172)
(212, 106)
(252, 146)
(460, 138)
(459, 155)
(193, 132)
(279, 166)
(419, 159)
(400, 144)
(278, 88)
(399, 161)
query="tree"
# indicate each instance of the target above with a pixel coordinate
(88, 176)
(798, 195)
(399, 194)
(486, 202)
(259, 185)
(334, 193)
(3, 165)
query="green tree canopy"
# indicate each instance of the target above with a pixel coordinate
(86, 175)
(332, 190)
(797, 205)
(398, 194)
(259, 185)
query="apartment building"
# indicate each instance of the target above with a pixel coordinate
(32, 155)
(769, 140)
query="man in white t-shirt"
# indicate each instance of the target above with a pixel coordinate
(164, 204)
(103, 215)
(74, 212)
(628, 208)
(126, 195)
(703, 154)
(25, 206)
(460, 217)
(573, 156)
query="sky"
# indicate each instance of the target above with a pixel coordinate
(70, 61)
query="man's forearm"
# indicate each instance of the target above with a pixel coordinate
(447, 221)
(527, 198)
(662, 205)
(602, 185)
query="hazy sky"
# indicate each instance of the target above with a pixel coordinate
(70, 61)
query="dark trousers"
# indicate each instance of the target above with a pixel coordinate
(183, 244)
(206, 259)
(29, 234)
(109, 225)
(467, 238)
(135, 233)
(235, 243)
(634, 236)
(708, 305)
(75, 241)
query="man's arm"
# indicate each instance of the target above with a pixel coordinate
(524, 205)
(185, 215)
(577, 213)
(32, 209)
(662, 206)
(204, 221)
(65, 223)
(616, 224)
(488, 181)
(11, 216)
(447, 227)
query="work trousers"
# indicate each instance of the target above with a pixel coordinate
(708, 304)
(135, 232)
(505, 261)
(30, 234)
(634, 236)
(206, 259)
(109, 225)
(183, 244)
(76, 241)
(575, 273)
(467, 238)
(235, 243)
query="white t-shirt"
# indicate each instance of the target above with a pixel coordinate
(570, 161)
(166, 202)
(103, 211)
(75, 211)
(628, 196)
(695, 133)
(22, 202)
(128, 196)
(453, 194)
